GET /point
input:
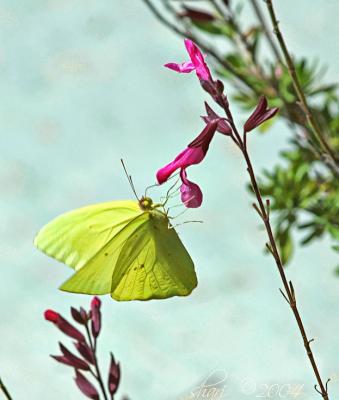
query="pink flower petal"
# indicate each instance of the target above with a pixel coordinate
(191, 194)
(198, 60)
(186, 158)
(183, 68)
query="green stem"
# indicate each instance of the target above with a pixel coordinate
(5, 390)
(297, 86)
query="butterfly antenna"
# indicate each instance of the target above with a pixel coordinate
(129, 178)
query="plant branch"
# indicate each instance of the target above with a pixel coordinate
(273, 248)
(96, 364)
(298, 88)
(5, 390)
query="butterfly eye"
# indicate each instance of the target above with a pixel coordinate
(146, 203)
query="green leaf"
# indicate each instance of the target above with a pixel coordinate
(208, 27)
(285, 244)
(215, 28)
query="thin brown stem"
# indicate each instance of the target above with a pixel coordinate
(263, 210)
(288, 288)
(5, 390)
(297, 86)
(98, 377)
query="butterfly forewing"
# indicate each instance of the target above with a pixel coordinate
(96, 276)
(76, 236)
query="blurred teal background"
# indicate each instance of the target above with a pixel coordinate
(82, 85)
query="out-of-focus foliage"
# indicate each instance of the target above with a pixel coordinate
(303, 188)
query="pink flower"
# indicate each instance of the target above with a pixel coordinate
(259, 115)
(195, 152)
(64, 325)
(186, 158)
(197, 63)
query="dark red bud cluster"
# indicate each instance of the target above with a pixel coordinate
(86, 349)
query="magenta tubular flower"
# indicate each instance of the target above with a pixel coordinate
(86, 386)
(193, 154)
(96, 316)
(64, 325)
(189, 156)
(197, 63)
(113, 376)
(191, 194)
(259, 115)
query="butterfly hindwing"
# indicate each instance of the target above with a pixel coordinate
(153, 264)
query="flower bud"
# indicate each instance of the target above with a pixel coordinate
(96, 316)
(113, 376)
(65, 327)
(70, 359)
(86, 386)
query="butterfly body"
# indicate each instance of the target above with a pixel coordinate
(125, 248)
